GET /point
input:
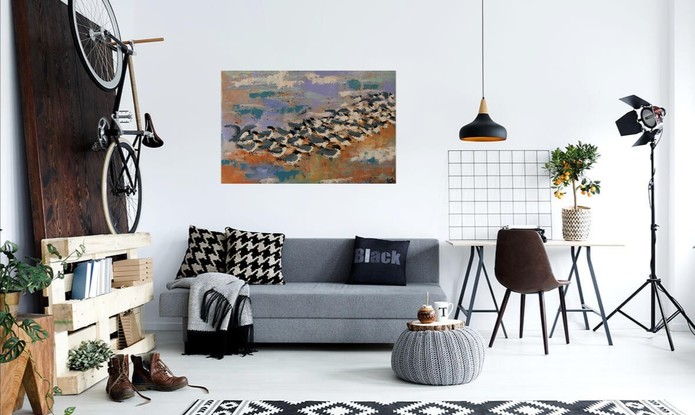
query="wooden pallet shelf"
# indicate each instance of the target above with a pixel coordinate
(95, 317)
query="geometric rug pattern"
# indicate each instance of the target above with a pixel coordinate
(604, 407)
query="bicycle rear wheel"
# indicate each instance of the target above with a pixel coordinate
(91, 22)
(121, 188)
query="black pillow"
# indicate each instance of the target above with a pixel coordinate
(255, 257)
(378, 262)
(206, 253)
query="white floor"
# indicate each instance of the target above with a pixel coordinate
(639, 366)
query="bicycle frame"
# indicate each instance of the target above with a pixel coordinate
(128, 49)
(115, 132)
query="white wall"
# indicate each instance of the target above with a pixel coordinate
(682, 150)
(555, 71)
(15, 214)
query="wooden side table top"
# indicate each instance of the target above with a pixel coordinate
(415, 325)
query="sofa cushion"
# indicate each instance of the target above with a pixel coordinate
(339, 300)
(322, 300)
(255, 257)
(206, 252)
(378, 261)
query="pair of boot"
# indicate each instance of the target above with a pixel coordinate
(149, 372)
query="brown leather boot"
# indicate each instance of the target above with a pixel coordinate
(149, 372)
(118, 386)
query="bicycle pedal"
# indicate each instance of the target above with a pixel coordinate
(124, 116)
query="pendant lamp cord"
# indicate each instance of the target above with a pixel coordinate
(482, 44)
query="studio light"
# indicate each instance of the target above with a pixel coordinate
(645, 118)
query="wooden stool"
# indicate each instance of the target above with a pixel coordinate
(34, 375)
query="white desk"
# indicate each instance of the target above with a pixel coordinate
(477, 249)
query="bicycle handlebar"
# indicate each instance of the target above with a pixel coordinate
(146, 40)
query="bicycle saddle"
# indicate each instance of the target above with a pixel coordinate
(151, 140)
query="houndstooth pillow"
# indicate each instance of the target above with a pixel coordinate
(206, 252)
(255, 257)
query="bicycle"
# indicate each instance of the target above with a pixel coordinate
(107, 59)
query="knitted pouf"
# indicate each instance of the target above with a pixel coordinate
(448, 357)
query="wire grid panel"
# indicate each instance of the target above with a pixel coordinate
(489, 189)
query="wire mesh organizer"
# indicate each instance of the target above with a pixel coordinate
(489, 189)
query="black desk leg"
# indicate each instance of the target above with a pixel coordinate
(575, 258)
(479, 251)
(584, 307)
(598, 296)
(459, 307)
(574, 272)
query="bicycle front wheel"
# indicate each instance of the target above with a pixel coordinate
(92, 23)
(121, 188)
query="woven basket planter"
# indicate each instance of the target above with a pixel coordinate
(576, 223)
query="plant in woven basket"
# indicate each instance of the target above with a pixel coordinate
(568, 168)
(89, 354)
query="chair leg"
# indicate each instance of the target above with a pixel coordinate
(563, 308)
(544, 328)
(521, 314)
(499, 316)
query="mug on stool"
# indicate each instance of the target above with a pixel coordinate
(443, 309)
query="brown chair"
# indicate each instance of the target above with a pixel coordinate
(522, 266)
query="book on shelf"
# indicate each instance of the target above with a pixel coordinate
(92, 278)
(80, 280)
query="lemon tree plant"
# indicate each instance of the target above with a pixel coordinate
(568, 168)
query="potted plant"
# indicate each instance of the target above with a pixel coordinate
(568, 168)
(21, 276)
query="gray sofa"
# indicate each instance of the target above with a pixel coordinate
(315, 305)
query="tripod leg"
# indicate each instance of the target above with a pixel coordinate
(677, 305)
(623, 304)
(663, 316)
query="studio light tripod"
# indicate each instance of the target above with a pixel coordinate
(653, 283)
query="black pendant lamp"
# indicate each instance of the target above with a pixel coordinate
(483, 128)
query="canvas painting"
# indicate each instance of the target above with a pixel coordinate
(308, 127)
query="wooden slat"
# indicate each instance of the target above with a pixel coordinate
(90, 333)
(75, 314)
(96, 246)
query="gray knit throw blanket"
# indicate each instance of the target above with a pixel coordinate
(219, 315)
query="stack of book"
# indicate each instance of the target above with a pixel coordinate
(129, 272)
(92, 278)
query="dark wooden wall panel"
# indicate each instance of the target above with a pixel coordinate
(61, 106)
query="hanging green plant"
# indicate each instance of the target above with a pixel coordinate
(89, 354)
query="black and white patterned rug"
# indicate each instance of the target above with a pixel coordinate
(616, 407)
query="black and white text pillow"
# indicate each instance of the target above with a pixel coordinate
(379, 262)
(255, 257)
(206, 252)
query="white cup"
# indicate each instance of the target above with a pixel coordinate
(443, 309)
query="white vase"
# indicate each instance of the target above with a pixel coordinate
(576, 223)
